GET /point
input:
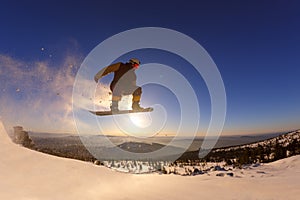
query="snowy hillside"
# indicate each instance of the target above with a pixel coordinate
(27, 174)
(282, 140)
(265, 151)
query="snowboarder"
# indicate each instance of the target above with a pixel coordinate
(124, 83)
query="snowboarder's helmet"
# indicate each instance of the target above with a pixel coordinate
(135, 62)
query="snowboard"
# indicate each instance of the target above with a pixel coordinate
(109, 112)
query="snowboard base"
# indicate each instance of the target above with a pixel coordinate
(109, 112)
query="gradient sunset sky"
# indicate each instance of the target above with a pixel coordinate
(255, 45)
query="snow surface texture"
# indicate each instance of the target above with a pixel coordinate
(30, 175)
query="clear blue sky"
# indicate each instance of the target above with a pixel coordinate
(255, 45)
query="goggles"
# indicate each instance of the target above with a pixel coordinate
(135, 65)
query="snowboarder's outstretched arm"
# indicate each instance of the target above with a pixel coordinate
(107, 70)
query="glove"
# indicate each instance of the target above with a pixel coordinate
(96, 79)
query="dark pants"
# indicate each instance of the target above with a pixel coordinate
(119, 91)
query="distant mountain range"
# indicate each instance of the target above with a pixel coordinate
(260, 148)
(268, 150)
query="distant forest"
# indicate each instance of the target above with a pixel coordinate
(268, 150)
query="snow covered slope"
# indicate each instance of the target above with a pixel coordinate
(30, 175)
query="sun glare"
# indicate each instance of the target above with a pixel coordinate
(141, 120)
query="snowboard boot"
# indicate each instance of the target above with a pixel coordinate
(114, 106)
(136, 107)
